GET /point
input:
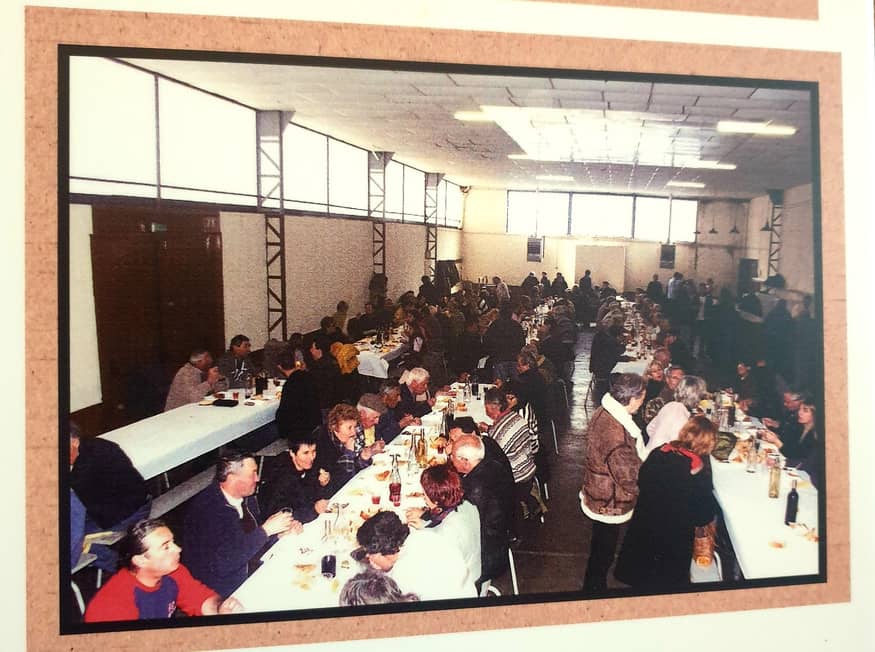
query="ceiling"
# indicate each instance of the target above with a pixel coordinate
(608, 135)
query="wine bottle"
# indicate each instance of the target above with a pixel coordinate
(792, 505)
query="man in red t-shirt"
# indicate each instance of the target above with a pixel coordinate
(152, 583)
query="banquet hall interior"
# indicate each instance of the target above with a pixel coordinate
(224, 196)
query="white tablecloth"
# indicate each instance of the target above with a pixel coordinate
(376, 363)
(763, 545)
(166, 440)
(290, 577)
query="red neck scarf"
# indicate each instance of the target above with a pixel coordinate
(696, 463)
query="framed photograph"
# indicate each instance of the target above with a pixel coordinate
(199, 117)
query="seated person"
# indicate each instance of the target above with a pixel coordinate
(111, 489)
(235, 366)
(152, 583)
(409, 558)
(195, 379)
(371, 409)
(372, 587)
(325, 370)
(298, 412)
(291, 480)
(338, 450)
(393, 421)
(222, 532)
(667, 423)
(415, 384)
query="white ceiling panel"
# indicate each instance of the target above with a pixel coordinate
(624, 135)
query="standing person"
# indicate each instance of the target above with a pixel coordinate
(298, 412)
(502, 292)
(503, 340)
(585, 282)
(614, 452)
(222, 532)
(194, 380)
(235, 365)
(325, 370)
(606, 351)
(545, 285)
(654, 290)
(674, 286)
(341, 317)
(528, 283)
(152, 583)
(559, 285)
(805, 342)
(429, 292)
(675, 496)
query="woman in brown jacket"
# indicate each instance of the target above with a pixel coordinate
(614, 452)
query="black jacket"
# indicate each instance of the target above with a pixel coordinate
(489, 486)
(503, 340)
(298, 412)
(285, 486)
(106, 482)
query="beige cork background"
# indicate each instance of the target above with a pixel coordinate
(801, 9)
(47, 28)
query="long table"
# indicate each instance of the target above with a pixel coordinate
(161, 442)
(764, 546)
(290, 578)
(374, 361)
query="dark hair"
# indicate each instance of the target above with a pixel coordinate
(443, 486)
(285, 360)
(237, 340)
(308, 438)
(75, 432)
(322, 342)
(326, 322)
(528, 359)
(383, 533)
(342, 306)
(133, 542)
(296, 341)
(372, 587)
(497, 396)
(231, 462)
(625, 387)
(505, 309)
(465, 424)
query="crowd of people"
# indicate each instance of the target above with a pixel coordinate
(646, 437)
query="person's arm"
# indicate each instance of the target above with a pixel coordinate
(623, 464)
(213, 605)
(196, 598)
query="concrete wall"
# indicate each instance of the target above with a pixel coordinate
(244, 281)
(84, 360)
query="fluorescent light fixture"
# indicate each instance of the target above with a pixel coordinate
(686, 184)
(472, 116)
(553, 177)
(702, 164)
(755, 128)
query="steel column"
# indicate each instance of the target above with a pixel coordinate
(432, 181)
(775, 234)
(377, 162)
(269, 126)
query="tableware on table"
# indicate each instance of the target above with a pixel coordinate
(235, 395)
(329, 566)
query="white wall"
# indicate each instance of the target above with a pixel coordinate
(244, 277)
(84, 360)
(487, 250)
(796, 263)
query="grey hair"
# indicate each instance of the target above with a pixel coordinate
(473, 444)
(626, 387)
(689, 391)
(197, 355)
(417, 375)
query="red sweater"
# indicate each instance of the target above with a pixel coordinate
(125, 598)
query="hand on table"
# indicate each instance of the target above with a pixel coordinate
(769, 436)
(413, 516)
(406, 420)
(279, 522)
(771, 423)
(231, 606)
(324, 477)
(295, 528)
(320, 506)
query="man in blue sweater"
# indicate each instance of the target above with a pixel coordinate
(222, 531)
